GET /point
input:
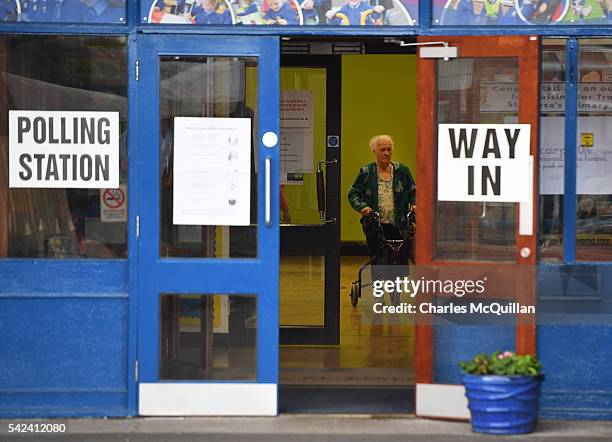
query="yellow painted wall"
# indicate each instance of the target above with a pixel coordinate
(378, 97)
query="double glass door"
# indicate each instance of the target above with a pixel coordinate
(210, 200)
(208, 225)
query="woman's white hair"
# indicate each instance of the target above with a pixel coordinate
(377, 138)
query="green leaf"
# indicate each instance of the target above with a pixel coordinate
(505, 366)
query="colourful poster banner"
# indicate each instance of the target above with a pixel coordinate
(283, 12)
(521, 12)
(63, 11)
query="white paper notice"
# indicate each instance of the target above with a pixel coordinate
(594, 156)
(212, 164)
(552, 155)
(296, 134)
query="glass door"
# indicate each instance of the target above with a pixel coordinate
(310, 200)
(208, 225)
(491, 86)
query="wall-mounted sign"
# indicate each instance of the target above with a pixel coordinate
(484, 162)
(212, 178)
(63, 149)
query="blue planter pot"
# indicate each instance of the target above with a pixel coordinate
(503, 404)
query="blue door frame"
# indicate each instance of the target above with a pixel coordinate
(190, 275)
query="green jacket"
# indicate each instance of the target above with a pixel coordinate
(364, 191)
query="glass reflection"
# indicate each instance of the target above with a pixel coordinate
(55, 73)
(208, 337)
(468, 92)
(224, 87)
(552, 148)
(594, 153)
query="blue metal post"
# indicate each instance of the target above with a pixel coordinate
(425, 14)
(133, 250)
(571, 122)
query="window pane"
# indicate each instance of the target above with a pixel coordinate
(467, 92)
(208, 337)
(63, 74)
(220, 87)
(594, 153)
(552, 147)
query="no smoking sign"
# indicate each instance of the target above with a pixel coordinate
(113, 205)
(114, 198)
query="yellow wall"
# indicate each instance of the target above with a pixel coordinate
(378, 96)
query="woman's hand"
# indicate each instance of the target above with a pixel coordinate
(366, 211)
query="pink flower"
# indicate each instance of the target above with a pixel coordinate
(500, 356)
(508, 354)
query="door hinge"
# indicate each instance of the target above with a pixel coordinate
(137, 70)
(137, 226)
(136, 370)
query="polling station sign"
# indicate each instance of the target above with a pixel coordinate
(484, 162)
(54, 149)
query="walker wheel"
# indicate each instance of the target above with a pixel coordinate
(355, 294)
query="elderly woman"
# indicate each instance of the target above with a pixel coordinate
(385, 187)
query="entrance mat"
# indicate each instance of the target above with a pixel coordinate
(347, 377)
(344, 400)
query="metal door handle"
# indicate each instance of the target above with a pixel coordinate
(321, 195)
(267, 188)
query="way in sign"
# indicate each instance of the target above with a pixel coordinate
(472, 145)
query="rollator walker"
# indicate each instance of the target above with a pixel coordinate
(389, 252)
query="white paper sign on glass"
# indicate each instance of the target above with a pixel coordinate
(593, 156)
(296, 133)
(212, 171)
(483, 162)
(56, 149)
